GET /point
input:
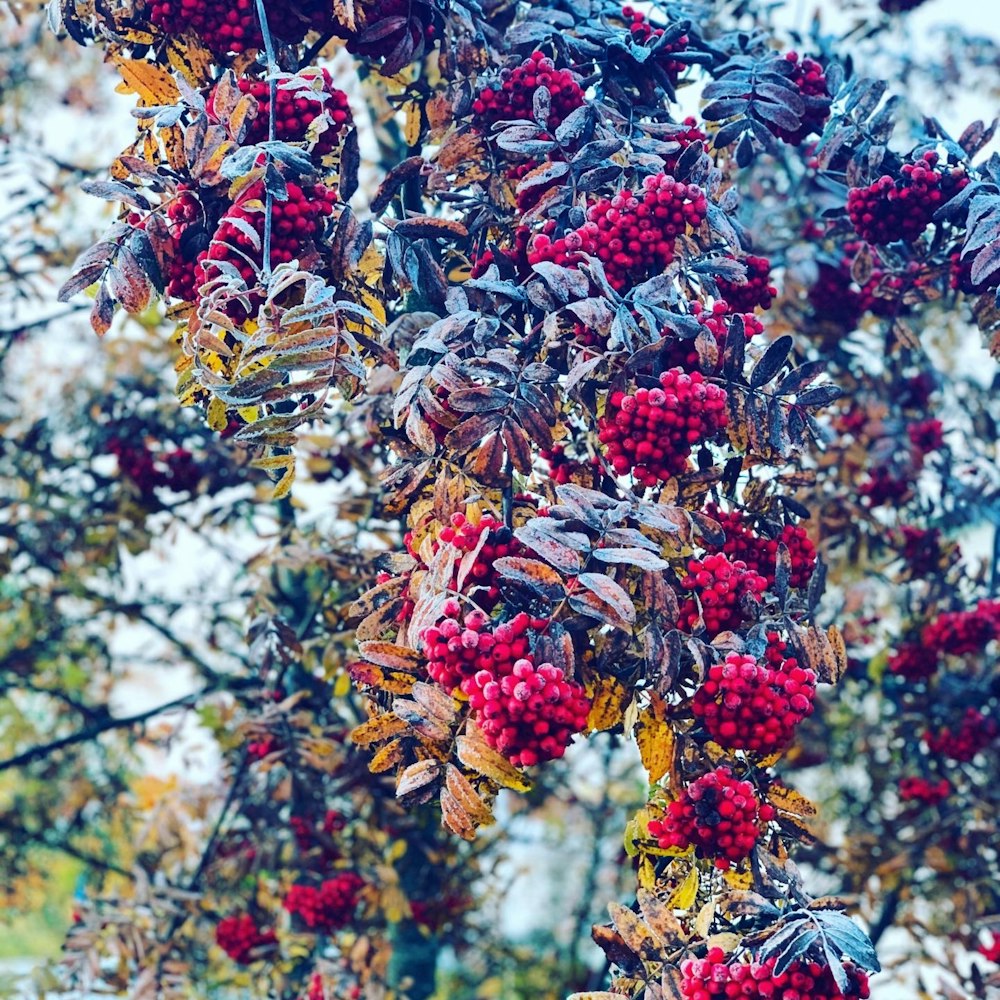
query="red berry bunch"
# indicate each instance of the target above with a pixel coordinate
(719, 815)
(746, 705)
(717, 321)
(306, 829)
(295, 112)
(239, 937)
(961, 633)
(761, 554)
(515, 96)
(809, 80)
(296, 226)
(926, 436)
(900, 208)
(721, 586)
(715, 977)
(632, 234)
(563, 468)
(490, 540)
(757, 290)
(526, 711)
(961, 275)
(643, 33)
(174, 468)
(884, 487)
(651, 432)
(186, 220)
(456, 651)
(230, 26)
(687, 133)
(923, 790)
(991, 951)
(836, 297)
(329, 907)
(914, 661)
(923, 550)
(975, 732)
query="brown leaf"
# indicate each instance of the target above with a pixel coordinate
(465, 795)
(476, 755)
(615, 948)
(415, 780)
(376, 729)
(660, 920)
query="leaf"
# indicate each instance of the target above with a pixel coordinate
(607, 705)
(429, 226)
(474, 753)
(350, 162)
(611, 593)
(657, 745)
(616, 950)
(154, 85)
(660, 919)
(416, 778)
(788, 800)
(376, 729)
(684, 896)
(637, 936)
(770, 364)
(387, 654)
(462, 809)
(849, 938)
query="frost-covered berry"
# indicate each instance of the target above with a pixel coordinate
(720, 586)
(650, 433)
(746, 705)
(717, 814)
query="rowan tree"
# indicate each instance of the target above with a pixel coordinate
(608, 338)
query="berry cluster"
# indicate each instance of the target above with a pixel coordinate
(307, 830)
(884, 487)
(923, 550)
(297, 224)
(527, 712)
(991, 951)
(295, 113)
(632, 234)
(757, 290)
(913, 661)
(975, 732)
(456, 650)
(490, 540)
(926, 436)
(746, 705)
(714, 976)
(761, 554)
(515, 96)
(240, 937)
(564, 469)
(651, 432)
(892, 208)
(962, 633)
(720, 585)
(329, 907)
(189, 237)
(923, 790)
(643, 33)
(717, 320)
(174, 468)
(809, 80)
(719, 815)
(230, 26)
(687, 133)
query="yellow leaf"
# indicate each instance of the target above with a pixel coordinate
(216, 415)
(153, 84)
(191, 59)
(609, 697)
(150, 790)
(381, 727)
(789, 801)
(738, 879)
(683, 897)
(474, 753)
(414, 123)
(657, 745)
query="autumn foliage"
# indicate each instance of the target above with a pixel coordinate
(615, 440)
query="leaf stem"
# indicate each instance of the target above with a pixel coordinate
(272, 87)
